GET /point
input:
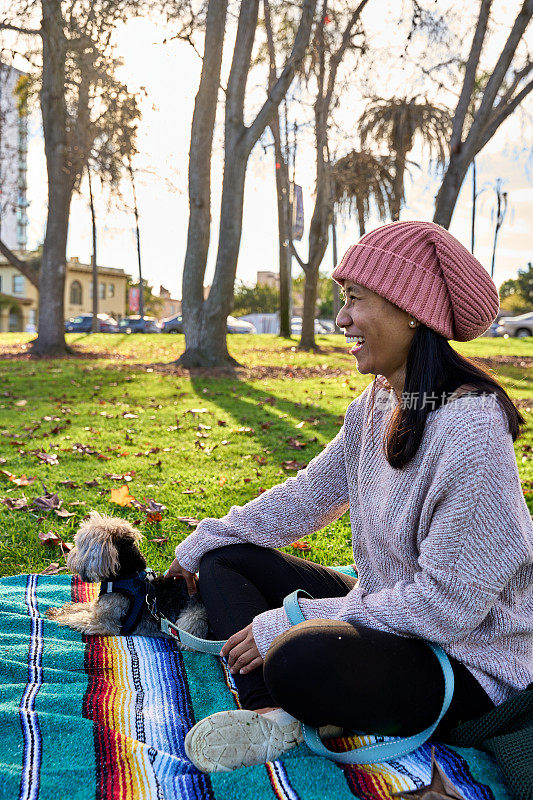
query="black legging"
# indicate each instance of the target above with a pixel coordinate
(325, 671)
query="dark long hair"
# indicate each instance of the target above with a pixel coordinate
(435, 368)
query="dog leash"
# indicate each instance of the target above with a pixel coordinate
(366, 754)
(381, 751)
(202, 645)
(183, 637)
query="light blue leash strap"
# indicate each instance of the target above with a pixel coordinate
(381, 751)
(202, 645)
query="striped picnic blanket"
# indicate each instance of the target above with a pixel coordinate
(106, 717)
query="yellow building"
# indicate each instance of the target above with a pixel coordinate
(19, 299)
(170, 306)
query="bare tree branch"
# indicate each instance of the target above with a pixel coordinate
(337, 56)
(502, 65)
(470, 75)
(518, 75)
(6, 26)
(30, 272)
(282, 84)
(498, 118)
(304, 265)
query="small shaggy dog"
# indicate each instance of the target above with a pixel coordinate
(106, 550)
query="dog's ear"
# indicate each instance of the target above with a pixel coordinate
(95, 555)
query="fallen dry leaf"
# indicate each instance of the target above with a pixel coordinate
(301, 545)
(48, 458)
(121, 496)
(190, 521)
(159, 540)
(62, 512)
(69, 484)
(52, 569)
(47, 502)
(50, 539)
(293, 464)
(296, 444)
(22, 481)
(15, 503)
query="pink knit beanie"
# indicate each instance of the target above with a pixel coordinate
(424, 270)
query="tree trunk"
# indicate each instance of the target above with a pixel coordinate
(318, 231)
(51, 337)
(285, 252)
(449, 190)
(307, 340)
(94, 260)
(200, 151)
(397, 186)
(282, 193)
(206, 343)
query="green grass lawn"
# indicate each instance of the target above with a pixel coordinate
(193, 442)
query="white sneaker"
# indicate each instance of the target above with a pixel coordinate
(228, 740)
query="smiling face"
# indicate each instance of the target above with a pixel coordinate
(386, 329)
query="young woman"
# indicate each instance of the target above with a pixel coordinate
(442, 536)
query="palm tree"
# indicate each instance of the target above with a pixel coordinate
(395, 123)
(358, 178)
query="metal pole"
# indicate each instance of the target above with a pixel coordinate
(474, 195)
(94, 326)
(501, 208)
(136, 212)
(336, 293)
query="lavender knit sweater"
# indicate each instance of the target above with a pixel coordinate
(443, 547)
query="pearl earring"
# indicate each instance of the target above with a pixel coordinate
(412, 323)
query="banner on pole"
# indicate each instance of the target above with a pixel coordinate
(297, 203)
(133, 298)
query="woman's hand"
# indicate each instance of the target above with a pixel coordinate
(177, 571)
(241, 651)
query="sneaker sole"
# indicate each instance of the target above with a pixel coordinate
(228, 740)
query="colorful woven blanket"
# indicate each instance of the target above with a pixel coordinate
(106, 717)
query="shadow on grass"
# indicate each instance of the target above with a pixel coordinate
(248, 402)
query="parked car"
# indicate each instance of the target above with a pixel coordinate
(172, 324)
(328, 325)
(235, 325)
(519, 326)
(175, 325)
(83, 323)
(296, 326)
(136, 324)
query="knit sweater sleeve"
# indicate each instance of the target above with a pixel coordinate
(480, 534)
(317, 496)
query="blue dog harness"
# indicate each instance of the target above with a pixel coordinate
(136, 589)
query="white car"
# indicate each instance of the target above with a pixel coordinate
(296, 326)
(520, 326)
(235, 325)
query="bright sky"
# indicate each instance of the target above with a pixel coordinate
(170, 73)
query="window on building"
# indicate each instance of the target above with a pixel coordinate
(111, 289)
(101, 291)
(75, 293)
(18, 284)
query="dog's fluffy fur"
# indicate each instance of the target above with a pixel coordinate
(106, 548)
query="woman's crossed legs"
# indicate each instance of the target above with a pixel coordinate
(328, 672)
